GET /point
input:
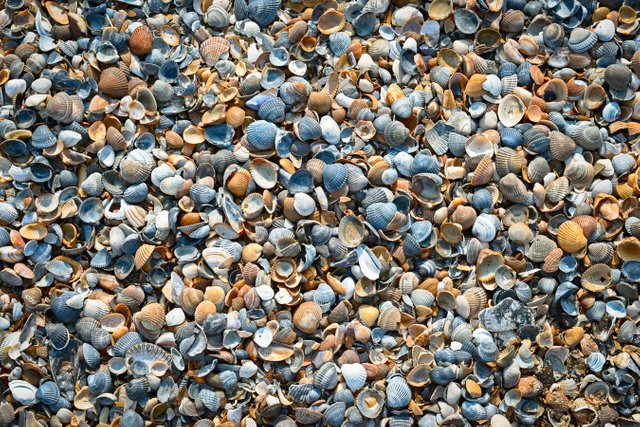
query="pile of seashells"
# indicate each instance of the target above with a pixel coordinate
(260, 212)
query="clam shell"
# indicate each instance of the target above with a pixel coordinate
(113, 82)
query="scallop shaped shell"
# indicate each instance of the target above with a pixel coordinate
(355, 375)
(262, 134)
(581, 40)
(141, 40)
(513, 189)
(571, 238)
(307, 317)
(389, 319)
(398, 393)
(326, 377)
(212, 49)
(558, 189)
(146, 358)
(351, 231)
(60, 107)
(113, 82)
(561, 146)
(540, 247)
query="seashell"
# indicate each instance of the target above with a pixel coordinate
(398, 393)
(351, 231)
(307, 317)
(331, 22)
(261, 134)
(581, 40)
(597, 278)
(140, 41)
(113, 82)
(370, 402)
(513, 188)
(213, 48)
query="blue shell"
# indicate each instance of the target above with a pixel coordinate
(507, 69)
(202, 194)
(91, 356)
(61, 311)
(42, 137)
(131, 418)
(631, 271)
(339, 43)
(398, 393)
(421, 230)
(263, 12)
(524, 74)
(379, 215)
(262, 134)
(511, 137)
(300, 182)
(220, 135)
(272, 110)
(125, 342)
(334, 177)
(309, 129)
(482, 200)
(136, 193)
(48, 393)
(99, 383)
(424, 163)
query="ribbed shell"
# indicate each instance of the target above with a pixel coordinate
(540, 248)
(581, 40)
(60, 107)
(513, 189)
(570, 237)
(561, 145)
(326, 377)
(212, 49)
(558, 189)
(113, 82)
(141, 40)
(307, 317)
(398, 393)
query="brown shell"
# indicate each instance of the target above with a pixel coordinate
(331, 22)
(573, 336)
(212, 48)
(151, 317)
(477, 300)
(588, 223)
(552, 261)
(465, 216)
(389, 319)
(561, 145)
(60, 106)
(190, 298)
(141, 40)
(297, 31)
(320, 102)
(571, 238)
(307, 317)
(142, 255)
(238, 182)
(235, 116)
(113, 82)
(115, 139)
(483, 173)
